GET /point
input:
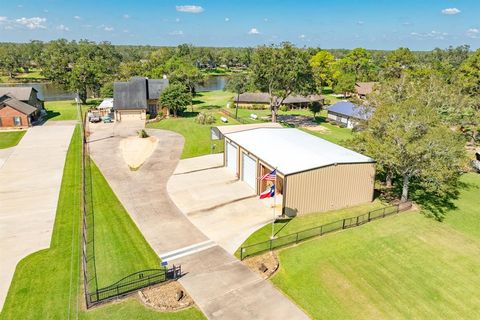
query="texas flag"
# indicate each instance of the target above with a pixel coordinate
(270, 192)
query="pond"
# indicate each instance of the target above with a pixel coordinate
(48, 91)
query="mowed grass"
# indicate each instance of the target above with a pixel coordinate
(403, 267)
(47, 284)
(197, 136)
(11, 138)
(66, 109)
(120, 248)
(307, 221)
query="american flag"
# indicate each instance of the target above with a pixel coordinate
(269, 176)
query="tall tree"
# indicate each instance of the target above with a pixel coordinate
(358, 61)
(181, 70)
(175, 97)
(398, 61)
(345, 83)
(322, 67)
(10, 59)
(238, 83)
(281, 71)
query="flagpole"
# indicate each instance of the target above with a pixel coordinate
(274, 204)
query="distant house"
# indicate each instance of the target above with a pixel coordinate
(362, 89)
(19, 107)
(15, 113)
(347, 114)
(137, 97)
(294, 101)
(28, 95)
(106, 106)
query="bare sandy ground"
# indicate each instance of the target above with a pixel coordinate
(136, 150)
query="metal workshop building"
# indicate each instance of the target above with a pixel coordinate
(313, 175)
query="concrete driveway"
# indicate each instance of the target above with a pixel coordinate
(216, 202)
(30, 182)
(222, 286)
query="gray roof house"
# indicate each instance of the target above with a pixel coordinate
(137, 97)
(348, 114)
(264, 98)
(28, 95)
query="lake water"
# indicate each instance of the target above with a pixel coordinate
(54, 92)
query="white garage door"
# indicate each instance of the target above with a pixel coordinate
(130, 115)
(232, 157)
(249, 171)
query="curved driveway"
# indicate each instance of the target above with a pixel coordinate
(221, 285)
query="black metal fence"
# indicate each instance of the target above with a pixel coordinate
(134, 282)
(293, 238)
(130, 283)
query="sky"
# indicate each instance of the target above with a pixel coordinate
(380, 24)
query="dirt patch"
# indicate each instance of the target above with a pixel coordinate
(265, 264)
(166, 297)
(298, 121)
(136, 150)
(319, 128)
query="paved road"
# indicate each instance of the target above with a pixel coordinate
(30, 182)
(222, 287)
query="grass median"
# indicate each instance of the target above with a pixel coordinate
(11, 138)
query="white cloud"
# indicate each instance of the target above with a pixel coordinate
(177, 20)
(77, 17)
(302, 36)
(189, 9)
(108, 29)
(254, 31)
(20, 6)
(432, 34)
(227, 19)
(176, 33)
(63, 28)
(3, 19)
(265, 19)
(45, 10)
(360, 23)
(451, 11)
(473, 33)
(8, 28)
(32, 23)
(126, 16)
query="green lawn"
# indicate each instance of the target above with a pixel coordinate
(403, 267)
(66, 109)
(120, 248)
(307, 221)
(47, 284)
(197, 136)
(11, 138)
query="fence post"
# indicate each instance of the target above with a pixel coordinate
(270, 244)
(241, 253)
(357, 220)
(296, 240)
(369, 216)
(321, 230)
(383, 212)
(343, 225)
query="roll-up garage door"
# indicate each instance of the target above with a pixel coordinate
(249, 171)
(232, 157)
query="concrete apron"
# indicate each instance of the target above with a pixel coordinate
(222, 286)
(30, 181)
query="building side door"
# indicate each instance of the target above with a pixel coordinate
(249, 171)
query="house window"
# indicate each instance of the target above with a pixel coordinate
(17, 121)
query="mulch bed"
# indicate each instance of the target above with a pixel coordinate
(170, 296)
(265, 264)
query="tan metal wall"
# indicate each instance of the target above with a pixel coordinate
(329, 188)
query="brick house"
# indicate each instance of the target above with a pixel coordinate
(28, 95)
(15, 113)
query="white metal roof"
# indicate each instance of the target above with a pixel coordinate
(107, 103)
(292, 150)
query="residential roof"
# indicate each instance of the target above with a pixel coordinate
(9, 100)
(351, 110)
(292, 150)
(134, 93)
(263, 97)
(364, 88)
(20, 93)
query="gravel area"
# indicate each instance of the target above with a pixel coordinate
(265, 264)
(166, 297)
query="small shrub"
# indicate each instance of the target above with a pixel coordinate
(283, 108)
(143, 134)
(203, 118)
